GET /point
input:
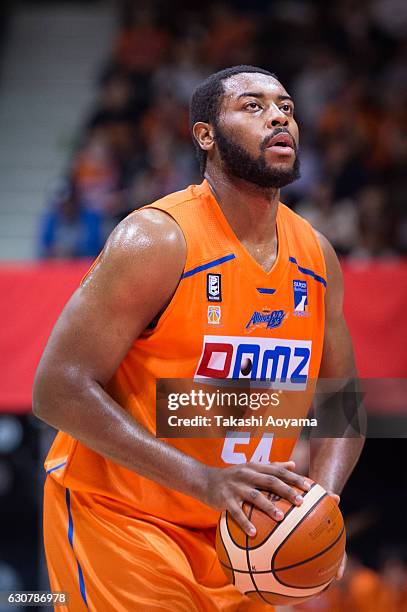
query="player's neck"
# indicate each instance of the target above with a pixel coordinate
(250, 210)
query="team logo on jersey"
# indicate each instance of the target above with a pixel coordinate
(271, 362)
(300, 290)
(213, 287)
(214, 315)
(266, 318)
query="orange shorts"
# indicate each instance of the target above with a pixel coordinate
(106, 558)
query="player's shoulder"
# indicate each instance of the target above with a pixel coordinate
(147, 242)
(178, 198)
(147, 232)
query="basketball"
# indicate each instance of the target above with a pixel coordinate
(287, 561)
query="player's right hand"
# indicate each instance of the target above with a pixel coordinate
(228, 488)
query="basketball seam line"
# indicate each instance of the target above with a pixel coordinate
(248, 559)
(290, 566)
(293, 506)
(294, 529)
(226, 550)
(315, 586)
(281, 569)
(279, 594)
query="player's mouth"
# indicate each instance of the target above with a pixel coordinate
(281, 144)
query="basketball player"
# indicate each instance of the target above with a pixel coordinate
(129, 519)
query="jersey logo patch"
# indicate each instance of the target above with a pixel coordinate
(300, 291)
(213, 288)
(214, 315)
(266, 318)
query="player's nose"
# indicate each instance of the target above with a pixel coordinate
(276, 117)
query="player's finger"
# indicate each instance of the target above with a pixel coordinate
(262, 503)
(269, 482)
(286, 476)
(288, 465)
(241, 519)
(334, 496)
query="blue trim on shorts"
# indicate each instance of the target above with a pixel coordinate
(57, 467)
(70, 538)
(208, 265)
(320, 279)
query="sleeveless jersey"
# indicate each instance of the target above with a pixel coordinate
(226, 309)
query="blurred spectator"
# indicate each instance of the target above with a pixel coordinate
(338, 221)
(69, 228)
(317, 84)
(230, 37)
(393, 570)
(96, 172)
(390, 16)
(364, 590)
(117, 115)
(376, 225)
(182, 74)
(311, 174)
(361, 588)
(142, 45)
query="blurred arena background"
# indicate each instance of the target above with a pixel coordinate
(94, 123)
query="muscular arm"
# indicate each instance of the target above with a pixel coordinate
(333, 459)
(134, 279)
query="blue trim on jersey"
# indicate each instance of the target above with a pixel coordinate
(57, 467)
(206, 266)
(70, 538)
(265, 290)
(307, 271)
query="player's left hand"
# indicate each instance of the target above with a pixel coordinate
(342, 566)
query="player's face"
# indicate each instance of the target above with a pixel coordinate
(256, 133)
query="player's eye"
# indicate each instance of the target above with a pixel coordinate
(287, 108)
(252, 105)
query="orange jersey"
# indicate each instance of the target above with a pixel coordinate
(225, 310)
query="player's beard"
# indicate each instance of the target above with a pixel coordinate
(239, 163)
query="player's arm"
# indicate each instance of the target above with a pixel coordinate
(134, 279)
(333, 459)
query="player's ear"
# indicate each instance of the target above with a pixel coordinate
(204, 135)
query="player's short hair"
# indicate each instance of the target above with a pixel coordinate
(206, 100)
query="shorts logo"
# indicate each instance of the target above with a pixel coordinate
(300, 291)
(214, 315)
(266, 318)
(213, 288)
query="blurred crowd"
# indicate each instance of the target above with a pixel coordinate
(364, 590)
(344, 62)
